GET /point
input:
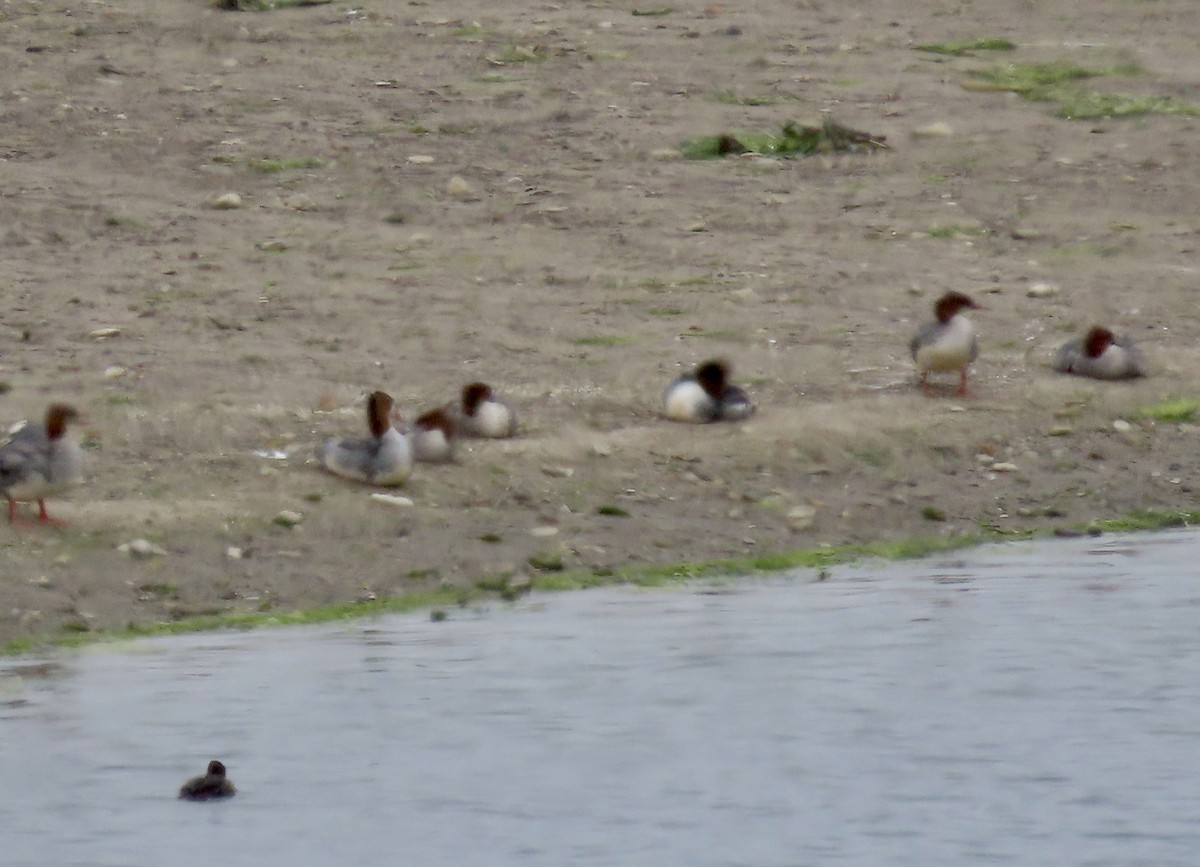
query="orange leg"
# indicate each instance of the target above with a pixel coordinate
(962, 382)
(45, 518)
(925, 384)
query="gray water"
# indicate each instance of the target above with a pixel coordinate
(1026, 704)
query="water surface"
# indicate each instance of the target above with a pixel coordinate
(1025, 704)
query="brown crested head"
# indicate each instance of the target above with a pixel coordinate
(713, 377)
(950, 304)
(437, 419)
(473, 395)
(58, 416)
(379, 413)
(1097, 340)
(216, 769)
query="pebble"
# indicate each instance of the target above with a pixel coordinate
(234, 553)
(104, 333)
(602, 449)
(1042, 290)
(1122, 426)
(300, 202)
(420, 159)
(458, 188)
(226, 202)
(1004, 467)
(941, 129)
(288, 518)
(543, 532)
(1061, 430)
(801, 517)
(114, 372)
(141, 548)
(272, 246)
(393, 500)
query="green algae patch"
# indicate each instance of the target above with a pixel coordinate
(1178, 409)
(964, 48)
(1062, 82)
(792, 140)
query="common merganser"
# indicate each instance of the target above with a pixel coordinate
(39, 460)
(214, 784)
(432, 437)
(706, 395)
(1100, 354)
(948, 344)
(480, 414)
(384, 458)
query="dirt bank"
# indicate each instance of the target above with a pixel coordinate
(578, 264)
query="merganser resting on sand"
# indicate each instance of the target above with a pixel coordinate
(384, 458)
(480, 414)
(39, 460)
(432, 437)
(1100, 354)
(706, 395)
(214, 784)
(948, 344)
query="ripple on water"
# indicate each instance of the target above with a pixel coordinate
(1024, 704)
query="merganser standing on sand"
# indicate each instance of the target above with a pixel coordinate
(384, 458)
(214, 784)
(1100, 354)
(949, 343)
(706, 395)
(480, 414)
(39, 460)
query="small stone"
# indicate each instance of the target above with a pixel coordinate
(519, 583)
(984, 460)
(114, 372)
(420, 159)
(226, 202)
(288, 518)
(543, 532)
(941, 129)
(1061, 430)
(801, 517)
(141, 549)
(1004, 467)
(1122, 426)
(666, 154)
(393, 500)
(559, 472)
(234, 553)
(459, 188)
(300, 202)
(1042, 290)
(272, 246)
(602, 449)
(104, 333)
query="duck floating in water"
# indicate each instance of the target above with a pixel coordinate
(706, 395)
(947, 344)
(213, 785)
(1100, 354)
(40, 460)
(432, 437)
(383, 458)
(479, 413)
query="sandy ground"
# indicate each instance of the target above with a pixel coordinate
(578, 265)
